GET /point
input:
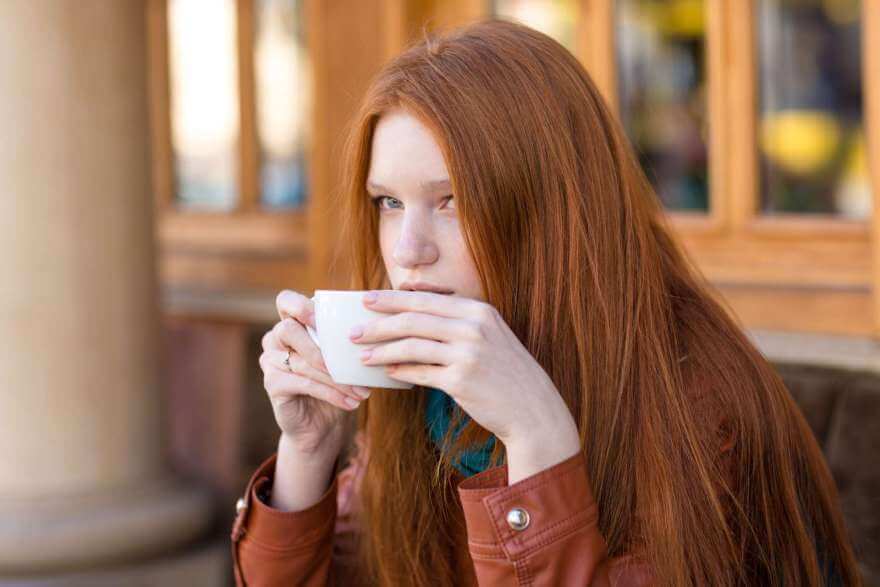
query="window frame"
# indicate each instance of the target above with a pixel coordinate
(813, 273)
(252, 248)
(808, 273)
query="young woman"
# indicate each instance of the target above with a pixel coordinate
(585, 412)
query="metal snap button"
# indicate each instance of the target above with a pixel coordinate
(240, 505)
(518, 519)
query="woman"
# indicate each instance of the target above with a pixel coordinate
(584, 411)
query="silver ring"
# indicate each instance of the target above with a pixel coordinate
(287, 361)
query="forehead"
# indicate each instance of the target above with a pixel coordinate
(404, 154)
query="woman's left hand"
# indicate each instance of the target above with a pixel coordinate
(465, 348)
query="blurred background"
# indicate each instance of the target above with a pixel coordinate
(167, 168)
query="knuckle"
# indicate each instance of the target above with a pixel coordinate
(297, 363)
(470, 356)
(297, 306)
(284, 329)
(473, 331)
(407, 320)
(485, 313)
(305, 384)
(457, 376)
(314, 363)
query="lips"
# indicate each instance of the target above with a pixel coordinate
(444, 293)
(407, 286)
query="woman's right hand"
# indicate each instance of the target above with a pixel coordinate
(309, 407)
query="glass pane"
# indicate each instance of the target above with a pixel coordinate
(811, 134)
(662, 88)
(556, 18)
(204, 101)
(284, 97)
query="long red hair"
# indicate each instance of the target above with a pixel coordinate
(572, 247)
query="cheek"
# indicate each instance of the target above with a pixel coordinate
(387, 239)
(460, 255)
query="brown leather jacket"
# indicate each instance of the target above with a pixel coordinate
(560, 545)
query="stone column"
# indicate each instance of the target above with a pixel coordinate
(83, 479)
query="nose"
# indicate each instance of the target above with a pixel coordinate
(415, 245)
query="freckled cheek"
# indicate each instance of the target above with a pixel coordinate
(387, 240)
(456, 252)
(451, 242)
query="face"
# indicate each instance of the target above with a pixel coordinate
(419, 231)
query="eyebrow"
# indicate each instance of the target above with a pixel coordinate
(427, 186)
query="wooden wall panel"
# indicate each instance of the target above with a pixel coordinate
(160, 105)
(871, 67)
(348, 45)
(842, 311)
(248, 142)
(595, 47)
(790, 262)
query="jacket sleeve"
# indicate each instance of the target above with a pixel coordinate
(310, 548)
(541, 530)
(561, 543)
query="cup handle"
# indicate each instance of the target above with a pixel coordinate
(312, 332)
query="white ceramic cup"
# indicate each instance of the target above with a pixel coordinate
(336, 313)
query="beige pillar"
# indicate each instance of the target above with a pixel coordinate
(83, 480)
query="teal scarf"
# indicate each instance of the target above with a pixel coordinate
(438, 416)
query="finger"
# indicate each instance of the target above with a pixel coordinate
(275, 358)
(283, 382)
(411, 350)
(270, 341)
(425, 375)
(291, 304)
(427, 303)
(292, 334)
(418, 325)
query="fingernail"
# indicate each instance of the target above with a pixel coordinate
(365, 354)
(356, 332)
(371, 297)
(352, 403)
(364, 392)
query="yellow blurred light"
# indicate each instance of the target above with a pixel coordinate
(800, 141)
(856, 162)
(683, 18)
(842, 12)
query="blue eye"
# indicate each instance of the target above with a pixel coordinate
(377, 201)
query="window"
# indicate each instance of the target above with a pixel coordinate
(662, 95)
(811, 134)
(204, 103)
(284, 96)
(751, 118)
